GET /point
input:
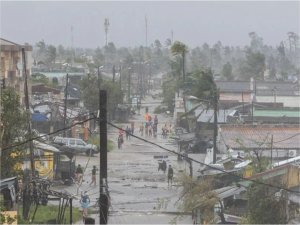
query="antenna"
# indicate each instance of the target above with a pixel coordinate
(146, 25)
(72, 45)
(106, 25)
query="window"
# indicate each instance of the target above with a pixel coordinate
(72, 142)
(80, 142)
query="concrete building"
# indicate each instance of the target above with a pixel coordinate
(12, 65)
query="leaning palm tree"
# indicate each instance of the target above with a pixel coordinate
(179, 48)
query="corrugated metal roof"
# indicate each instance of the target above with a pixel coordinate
(276, 113)
(259, 136)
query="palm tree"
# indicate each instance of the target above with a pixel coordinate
(179, 48)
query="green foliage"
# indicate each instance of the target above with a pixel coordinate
(7, 219)
(13, 119)
(198, 194)
(263, 207)
(179, 48)
(169, 90)
(48, 214)
(254, 65)
(39, 78)
(201, 85)
(227, 71)
(95, 140)
(90, 93)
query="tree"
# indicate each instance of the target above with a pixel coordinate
(256, 43)
(263, 207)
(227, 71)
(13, 119)
(201, 85)
(90, 93)
(39, 78)
(254, 65)
(51, 54)
(199, 194)
(179, 48)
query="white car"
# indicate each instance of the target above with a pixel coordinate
(76, 145)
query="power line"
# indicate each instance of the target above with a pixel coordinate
(287, 138)
(152, 143)
(54, 132)
(214, 168)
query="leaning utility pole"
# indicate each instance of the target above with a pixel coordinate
(26, 190)
(65, 105)
(215, 104)
(103, 157)
(28, 113)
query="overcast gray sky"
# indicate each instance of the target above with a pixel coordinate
(193, 22)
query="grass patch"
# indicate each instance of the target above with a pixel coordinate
(94, 139)
(48, 214)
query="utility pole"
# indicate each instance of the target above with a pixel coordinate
(271, 149)
(103, 157)
(98, 73)
(114, 73)
(120, 79)
(146, 25)
(129, 84)
(72, 43)
(106, 25)
(26, 191)
(65, 105)
(215, 103)
(28, 113)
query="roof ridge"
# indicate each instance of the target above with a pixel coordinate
(10, 41)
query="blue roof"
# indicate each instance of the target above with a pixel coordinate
(38, 117)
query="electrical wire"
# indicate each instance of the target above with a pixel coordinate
(152, 143)
(51, 133)
(196, 161)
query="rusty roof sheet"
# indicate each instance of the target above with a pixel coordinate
(259, 136)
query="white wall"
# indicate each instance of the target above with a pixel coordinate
(288, 101)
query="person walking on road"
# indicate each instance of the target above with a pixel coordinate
(170, 175)
(132, 127)
(142, 129)
(93, 176)
(128, 131)
(85, 202)
(79, 174)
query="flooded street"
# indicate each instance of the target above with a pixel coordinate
(139, 192)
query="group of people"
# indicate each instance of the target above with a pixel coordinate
(149, 126)
(79, 175)
(163, 166)
(128, 132)
(85, 200)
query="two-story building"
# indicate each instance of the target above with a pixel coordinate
(12, 72)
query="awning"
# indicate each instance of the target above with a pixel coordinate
(226, 192)
(44, 147)
(7, 183)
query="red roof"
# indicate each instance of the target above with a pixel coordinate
(259, 136)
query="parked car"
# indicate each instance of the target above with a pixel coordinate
(76, 145)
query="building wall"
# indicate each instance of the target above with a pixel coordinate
(246, 97)
(288, 101)
(12, 68)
